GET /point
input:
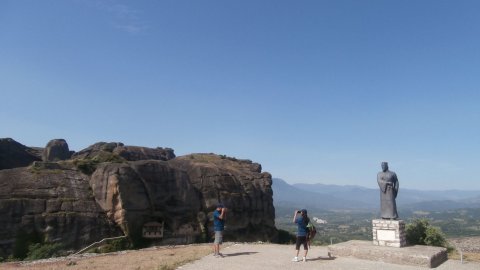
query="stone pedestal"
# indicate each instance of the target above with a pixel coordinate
(424, 256)
(389, 233)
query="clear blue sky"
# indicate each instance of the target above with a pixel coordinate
(315, 91)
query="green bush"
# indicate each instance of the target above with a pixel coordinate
(115, 245)
(435, 237)
(108, 157)
(420, 232)
(285, 237)
(23, 240)
(11, 258)
(86, 166)
(41, 251)
(89, 165)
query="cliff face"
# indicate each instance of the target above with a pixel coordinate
(53, 203)
(183, 193)
(110, 189)
(241, 186)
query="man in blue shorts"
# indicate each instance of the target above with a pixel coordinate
(219, 216)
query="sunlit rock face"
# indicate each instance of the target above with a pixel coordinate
(183, 192)
(110, 189)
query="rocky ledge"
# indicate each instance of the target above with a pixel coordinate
(110, 189)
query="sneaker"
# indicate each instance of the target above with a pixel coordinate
(304, 259)
(295, 259)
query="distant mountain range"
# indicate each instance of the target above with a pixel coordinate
(327, 197)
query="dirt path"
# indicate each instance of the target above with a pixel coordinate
(236, 256)
(278, 257)
(156, 258)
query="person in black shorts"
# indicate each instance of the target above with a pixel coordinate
(301, 219)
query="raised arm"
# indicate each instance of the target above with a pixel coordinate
(223, 214)
(295, 216)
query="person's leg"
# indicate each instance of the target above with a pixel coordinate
(297, 248)
(220, 241)
(305, 248)
(216, 244)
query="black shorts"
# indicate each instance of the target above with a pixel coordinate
(301, 240)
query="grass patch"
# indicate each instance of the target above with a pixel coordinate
(89, 165)
(42, 251)
(113, 246)
(467, 256)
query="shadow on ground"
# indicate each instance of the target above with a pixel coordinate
(238, 254)
(322, 258)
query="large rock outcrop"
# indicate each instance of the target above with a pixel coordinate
(56, 150)
(110, 189)
(14, 154)
(130, 153)
(50, 201)
(241, 186)
(183, 192)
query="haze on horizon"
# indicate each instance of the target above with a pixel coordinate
(315, 91)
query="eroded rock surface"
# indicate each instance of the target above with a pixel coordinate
(130, 153)
(110, 189)
(53, 203)
(183, 194)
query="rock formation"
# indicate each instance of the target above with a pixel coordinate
(110, 189)
(14, 154)
(183, 193)
(241, 186)
(130, 153)
(51, 201)
(56, 150)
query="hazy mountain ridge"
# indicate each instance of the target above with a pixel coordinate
(285, 194)
(357, 197)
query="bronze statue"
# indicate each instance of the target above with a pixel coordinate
(388, 183)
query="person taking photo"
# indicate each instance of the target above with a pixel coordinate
(301, 219)
(219, 216)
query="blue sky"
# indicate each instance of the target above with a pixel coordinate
(315, 91)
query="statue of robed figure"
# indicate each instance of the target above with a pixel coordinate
(388, 183)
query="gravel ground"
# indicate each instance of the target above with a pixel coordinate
(251, 256)
(277, 257)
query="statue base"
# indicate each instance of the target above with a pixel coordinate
(389, 233)
(424, 256)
